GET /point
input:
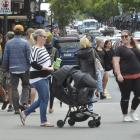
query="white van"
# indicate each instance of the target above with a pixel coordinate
(87, 25)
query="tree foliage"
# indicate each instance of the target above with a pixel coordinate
(63, 11)
(66, 10)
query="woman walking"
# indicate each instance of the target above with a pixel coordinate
(86, 61)
(126, 64)
(108, 55)
(39, 74)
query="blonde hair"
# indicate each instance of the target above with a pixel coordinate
(31, 40)
(49, 37)
(38, 32)
(85, 43)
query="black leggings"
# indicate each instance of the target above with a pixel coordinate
(51, 93)
(126, 87)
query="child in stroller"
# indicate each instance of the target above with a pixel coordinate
(71, 86)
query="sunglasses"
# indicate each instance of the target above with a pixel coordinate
(124, 36)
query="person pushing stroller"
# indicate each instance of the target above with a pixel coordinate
(86, 61)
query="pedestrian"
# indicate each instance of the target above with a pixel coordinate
(1, 72)
(86, 61)
(16, 60)
(108, 55)
(54, 54)
(31, 42)
(39, 73)
(1, 48)
(100, 68)
(126, 63)
(7, 82)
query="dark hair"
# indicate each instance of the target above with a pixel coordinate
(132, 41)
(18, 32)
(106, 42)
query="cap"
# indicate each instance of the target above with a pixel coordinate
(10, 34)
(18, 27)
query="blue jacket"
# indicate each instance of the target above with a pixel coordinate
(16, 56)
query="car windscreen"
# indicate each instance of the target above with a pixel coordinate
(137, 34)
(69, 46)
(90, 24)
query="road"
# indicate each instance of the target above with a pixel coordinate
(111, 128)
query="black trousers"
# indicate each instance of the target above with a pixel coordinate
(126, 87)
(51, 93)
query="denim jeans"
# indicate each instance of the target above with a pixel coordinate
(100, 74)
(42, 87)
(25, 88)
(90, 100)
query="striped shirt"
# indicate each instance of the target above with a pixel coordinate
(39, 58)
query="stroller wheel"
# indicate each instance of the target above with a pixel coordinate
(97, 123)
(71, 122)
(92, 123)
(60, 123)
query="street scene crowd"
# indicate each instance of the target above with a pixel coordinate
(32, 56)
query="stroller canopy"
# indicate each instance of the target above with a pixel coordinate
(80, 78)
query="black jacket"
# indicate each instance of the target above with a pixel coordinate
(86, 61)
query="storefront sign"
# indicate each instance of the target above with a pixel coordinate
(5, 6)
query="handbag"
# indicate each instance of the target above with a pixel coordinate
(97, 60)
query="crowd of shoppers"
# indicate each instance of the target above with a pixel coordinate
(30, 59)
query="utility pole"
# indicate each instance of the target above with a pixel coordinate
(27, 11)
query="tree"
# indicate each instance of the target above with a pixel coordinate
(63, 11)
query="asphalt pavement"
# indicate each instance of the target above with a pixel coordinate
(111, 128)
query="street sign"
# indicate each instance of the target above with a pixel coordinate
(5, 6)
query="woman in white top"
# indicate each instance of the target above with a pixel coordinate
(39, 72)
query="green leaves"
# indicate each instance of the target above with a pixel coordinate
(65, 11)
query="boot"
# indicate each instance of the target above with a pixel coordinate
(102, 96)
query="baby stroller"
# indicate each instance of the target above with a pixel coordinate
(71, 86)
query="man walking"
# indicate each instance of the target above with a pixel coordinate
(16, 60)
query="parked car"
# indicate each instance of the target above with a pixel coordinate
(136, 36)
(95, 33)
(68, 48)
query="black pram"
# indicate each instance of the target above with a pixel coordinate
(71, 86)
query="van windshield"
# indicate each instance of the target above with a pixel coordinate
(90, 24)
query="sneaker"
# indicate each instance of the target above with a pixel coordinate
(90, 108)
(23, 107)
(47, 124)
(127, 118)
(10, 108)
(22, 117)
(4, 105)
(51, 110)
(16, 112)
(134, 116)
(102, 97)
